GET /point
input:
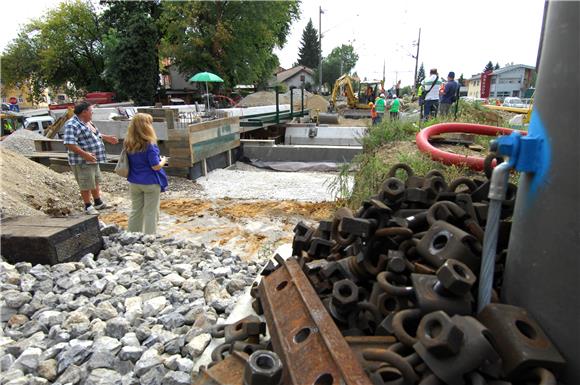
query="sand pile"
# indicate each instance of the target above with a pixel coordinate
(29, 188)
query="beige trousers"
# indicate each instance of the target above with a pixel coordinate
(144, 207)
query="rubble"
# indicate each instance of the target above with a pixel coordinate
(136, 314)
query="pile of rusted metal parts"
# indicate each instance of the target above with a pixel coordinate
(387, 296)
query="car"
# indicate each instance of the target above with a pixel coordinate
(38, 123)
(514, 102)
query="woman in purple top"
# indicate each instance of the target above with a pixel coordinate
(146, 175)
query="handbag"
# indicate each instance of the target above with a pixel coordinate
(122, 167)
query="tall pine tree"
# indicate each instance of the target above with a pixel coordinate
(309, 53)
(488, 67)
(496, 66)
(420, 75)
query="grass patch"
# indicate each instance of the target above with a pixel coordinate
(391, 142)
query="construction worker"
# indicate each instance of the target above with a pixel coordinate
(431, 86)
(421, 99)
(380, 106)
(374, 114)
(395, 106)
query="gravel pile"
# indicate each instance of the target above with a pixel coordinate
(21, 141)
(240, 184)
(139, 314)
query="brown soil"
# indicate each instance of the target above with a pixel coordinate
(185, 207)
(119, 219)
(315, 211)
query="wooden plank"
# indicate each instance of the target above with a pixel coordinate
(212, 133)
(177, 135)
(50, 240)
(234, 120)
(210, 149)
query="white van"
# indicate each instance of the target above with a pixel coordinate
(38, 123)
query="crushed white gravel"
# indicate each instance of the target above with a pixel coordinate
(268, 185)
(21, 141)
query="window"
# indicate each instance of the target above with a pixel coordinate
(503, 94)
(33, 126)
(46, 124)
(516, 93)
(492, 94)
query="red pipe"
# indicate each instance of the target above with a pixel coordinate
(475, 163)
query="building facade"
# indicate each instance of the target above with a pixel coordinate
(510, 81)
(296, 77)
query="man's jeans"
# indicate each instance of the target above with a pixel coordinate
(431, 107)
(444, 109)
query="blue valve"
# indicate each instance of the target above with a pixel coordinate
(523, 151)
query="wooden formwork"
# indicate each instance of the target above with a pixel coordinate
(192, 151)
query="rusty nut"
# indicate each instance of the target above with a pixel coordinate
(344, 293)
(435, 183)
(392, 189)
(439, 335)
(456, 277)
(263, 368)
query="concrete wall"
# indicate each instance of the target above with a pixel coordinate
(269, 152)
(324, 136)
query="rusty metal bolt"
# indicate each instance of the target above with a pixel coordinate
(392, 189)
(439, 334)
(263, 368)
(456, 277)
(345, 293)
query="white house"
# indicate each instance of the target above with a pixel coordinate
(297, 76)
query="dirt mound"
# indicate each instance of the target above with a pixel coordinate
(29, 188)
(268, 98)
(262, 98)
(317, 102)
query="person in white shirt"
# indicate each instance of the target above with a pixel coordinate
(431, 89)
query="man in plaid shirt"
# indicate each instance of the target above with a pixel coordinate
(85, 151)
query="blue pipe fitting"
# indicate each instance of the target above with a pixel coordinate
(523, 151)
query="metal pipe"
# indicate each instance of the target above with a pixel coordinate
(291, 102)
(497, 193)
(277, 104)
(302, 112)
(542, 264)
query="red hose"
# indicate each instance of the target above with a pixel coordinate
(474, 162)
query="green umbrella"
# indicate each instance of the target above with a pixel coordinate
(206, 77)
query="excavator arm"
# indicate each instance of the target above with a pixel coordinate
(346, 81)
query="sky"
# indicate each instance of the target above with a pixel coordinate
(459, 36)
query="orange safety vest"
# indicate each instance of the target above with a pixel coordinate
(374, 113)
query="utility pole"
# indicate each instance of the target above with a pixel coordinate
(417, 57)
(383, 71)
(320, 47)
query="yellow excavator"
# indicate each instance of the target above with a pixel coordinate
(357, 100)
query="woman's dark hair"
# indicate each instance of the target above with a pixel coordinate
(81, 106)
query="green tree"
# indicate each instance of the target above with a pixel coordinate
(131, 49)
(21, 66)
(233, 39)
(488, 67)
(343, 57)
(66, 43)
(496, 67)
(309, 52)
(461, 80)
(420, 75)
